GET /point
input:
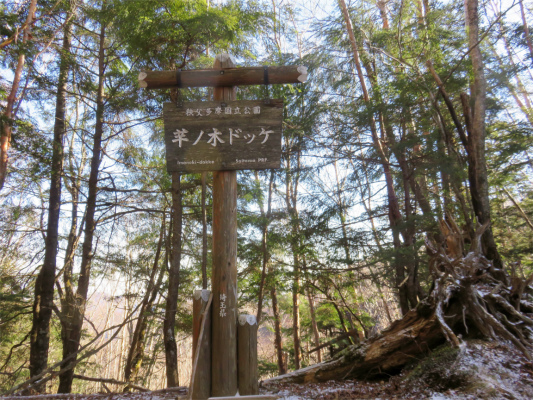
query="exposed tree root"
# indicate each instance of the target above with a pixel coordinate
(470, 298)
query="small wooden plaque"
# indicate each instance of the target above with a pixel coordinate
(217, 136)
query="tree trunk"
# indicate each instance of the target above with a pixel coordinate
(136, 349)
(169, 325)
(477, 166)
(72, 335)
(7, 120)
(296, 314)
(526, 29)
(44, 290)
(385, 354)
(264, 250)
(291, 197)
(277, 331)
(313, 324)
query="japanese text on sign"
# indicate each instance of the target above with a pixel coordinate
(214, 136)
(222, 305)
(201, 112)
(180, 136)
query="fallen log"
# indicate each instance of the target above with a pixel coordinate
(470, 298)
(406, 340)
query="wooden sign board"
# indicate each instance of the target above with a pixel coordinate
(217, 136)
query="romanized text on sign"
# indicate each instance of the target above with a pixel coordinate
(214, 135)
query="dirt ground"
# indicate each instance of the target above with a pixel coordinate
(477, 370)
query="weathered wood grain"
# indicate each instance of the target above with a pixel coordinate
(214, 77)
(247, 355)
(248, 139)
(224, 276)
(200, 388)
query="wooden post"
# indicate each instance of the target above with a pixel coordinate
(200, 387)
(224, 277)
(247, 355)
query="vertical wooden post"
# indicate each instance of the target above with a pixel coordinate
(224, 276)
(247, 355)
(200, 386)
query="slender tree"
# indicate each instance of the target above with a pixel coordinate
(8, 113)
(475, 122)
(169, 326)
(73, 326)
(138, 341)
(44, 287)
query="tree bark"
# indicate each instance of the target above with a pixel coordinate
(477, 166)
(277, 331)
(314, 326)
(73, 324)
(291, 199)
(137, 345)
(526, 29)
(5, 125)
(264, 244)
(44, 288)
(169, 325)
(386, 354)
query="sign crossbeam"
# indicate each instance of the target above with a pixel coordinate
(216, 77)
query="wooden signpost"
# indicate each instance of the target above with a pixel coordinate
(223, 135)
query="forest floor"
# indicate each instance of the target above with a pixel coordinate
(478, 370)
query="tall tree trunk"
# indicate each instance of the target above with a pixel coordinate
(277, 330)
(382, 6)
(44, 288)
(314, 326)
(291, 197)
(296, 312)
(171, 348)
(68, 303)
(7, 120)
(477, 166)
(526, 29)
(72, 335)
(137, 345)
(264, 250)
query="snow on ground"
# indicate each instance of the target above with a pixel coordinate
(479, 370)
